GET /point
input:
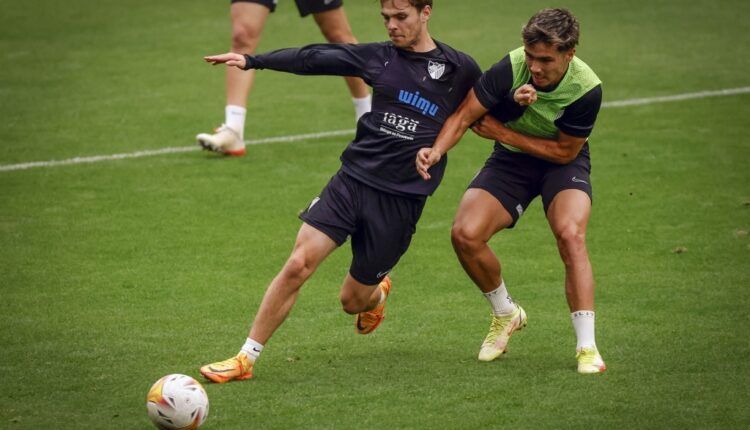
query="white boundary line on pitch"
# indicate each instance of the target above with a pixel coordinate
(321, 135)
(677, 97)
(174, 150)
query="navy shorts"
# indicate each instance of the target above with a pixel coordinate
(515, 178)
(305, 7)
(380, 224)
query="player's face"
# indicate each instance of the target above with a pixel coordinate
(405, 24)
(546, 64)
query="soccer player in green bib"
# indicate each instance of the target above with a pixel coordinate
(539, 104)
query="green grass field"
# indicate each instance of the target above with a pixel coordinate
(115, 273)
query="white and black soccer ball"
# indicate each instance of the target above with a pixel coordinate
(177, 402)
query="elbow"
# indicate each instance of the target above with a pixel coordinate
(566, 160)
(565, 157)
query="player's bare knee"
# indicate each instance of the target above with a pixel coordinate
(352, 304)
(463, 239)
(244, 38)
(571, 242)
(297, 267)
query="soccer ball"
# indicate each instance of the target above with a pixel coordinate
(177, 402)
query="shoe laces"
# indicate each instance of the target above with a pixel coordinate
(228, 363)
(497, 327)
(587, 355)
(371, 316)
(225, 127)
(232, 363)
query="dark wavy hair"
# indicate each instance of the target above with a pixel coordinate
(557, 27)
(419, 4)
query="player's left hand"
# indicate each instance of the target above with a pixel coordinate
(230, 59)
(489, 128)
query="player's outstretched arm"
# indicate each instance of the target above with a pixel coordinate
(454, 128)
(322, 59)
(230, 59)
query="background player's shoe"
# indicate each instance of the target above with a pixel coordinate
(368, 321)
(238, 367)
(224, 140)
(589, 361)
(501, 328)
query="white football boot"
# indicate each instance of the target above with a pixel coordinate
(224, 140)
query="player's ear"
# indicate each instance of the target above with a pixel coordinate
(570, 54)
(424, 15)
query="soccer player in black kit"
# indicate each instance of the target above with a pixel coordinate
(376, 197)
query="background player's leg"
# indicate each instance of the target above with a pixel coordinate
(248, 20)
(311, 248)
(336, 29)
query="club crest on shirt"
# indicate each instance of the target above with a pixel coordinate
(435, 70)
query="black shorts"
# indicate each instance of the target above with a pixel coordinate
(515, 178)
(380, 224)
(305, 7)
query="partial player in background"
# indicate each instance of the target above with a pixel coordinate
(376, 197)
(248, 20)
(543, 102)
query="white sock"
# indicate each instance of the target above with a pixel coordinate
(500, 300)
(583, 324)
(234, 118)
(252, 349)
(362, 106)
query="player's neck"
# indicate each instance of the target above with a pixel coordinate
(423, 43)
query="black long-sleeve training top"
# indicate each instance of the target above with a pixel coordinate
(413, 96)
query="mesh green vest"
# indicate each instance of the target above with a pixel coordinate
(539, 118)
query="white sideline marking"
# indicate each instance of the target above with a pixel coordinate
(677, 97)
(311, 136)
(174, 150)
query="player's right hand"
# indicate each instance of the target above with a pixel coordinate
(525, 95)
(426, 158)
(230, 59)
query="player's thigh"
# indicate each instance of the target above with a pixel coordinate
(480, 215)
(333, 212)
(335, 26)
(567, 194)
(307, 7)
(512, 179)
(386, 226)
(569, 212)
(249, 18)
(312, 246)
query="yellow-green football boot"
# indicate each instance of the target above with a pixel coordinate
(501, 328)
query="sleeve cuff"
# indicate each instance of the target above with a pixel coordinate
(250, 62)
(486, 100)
